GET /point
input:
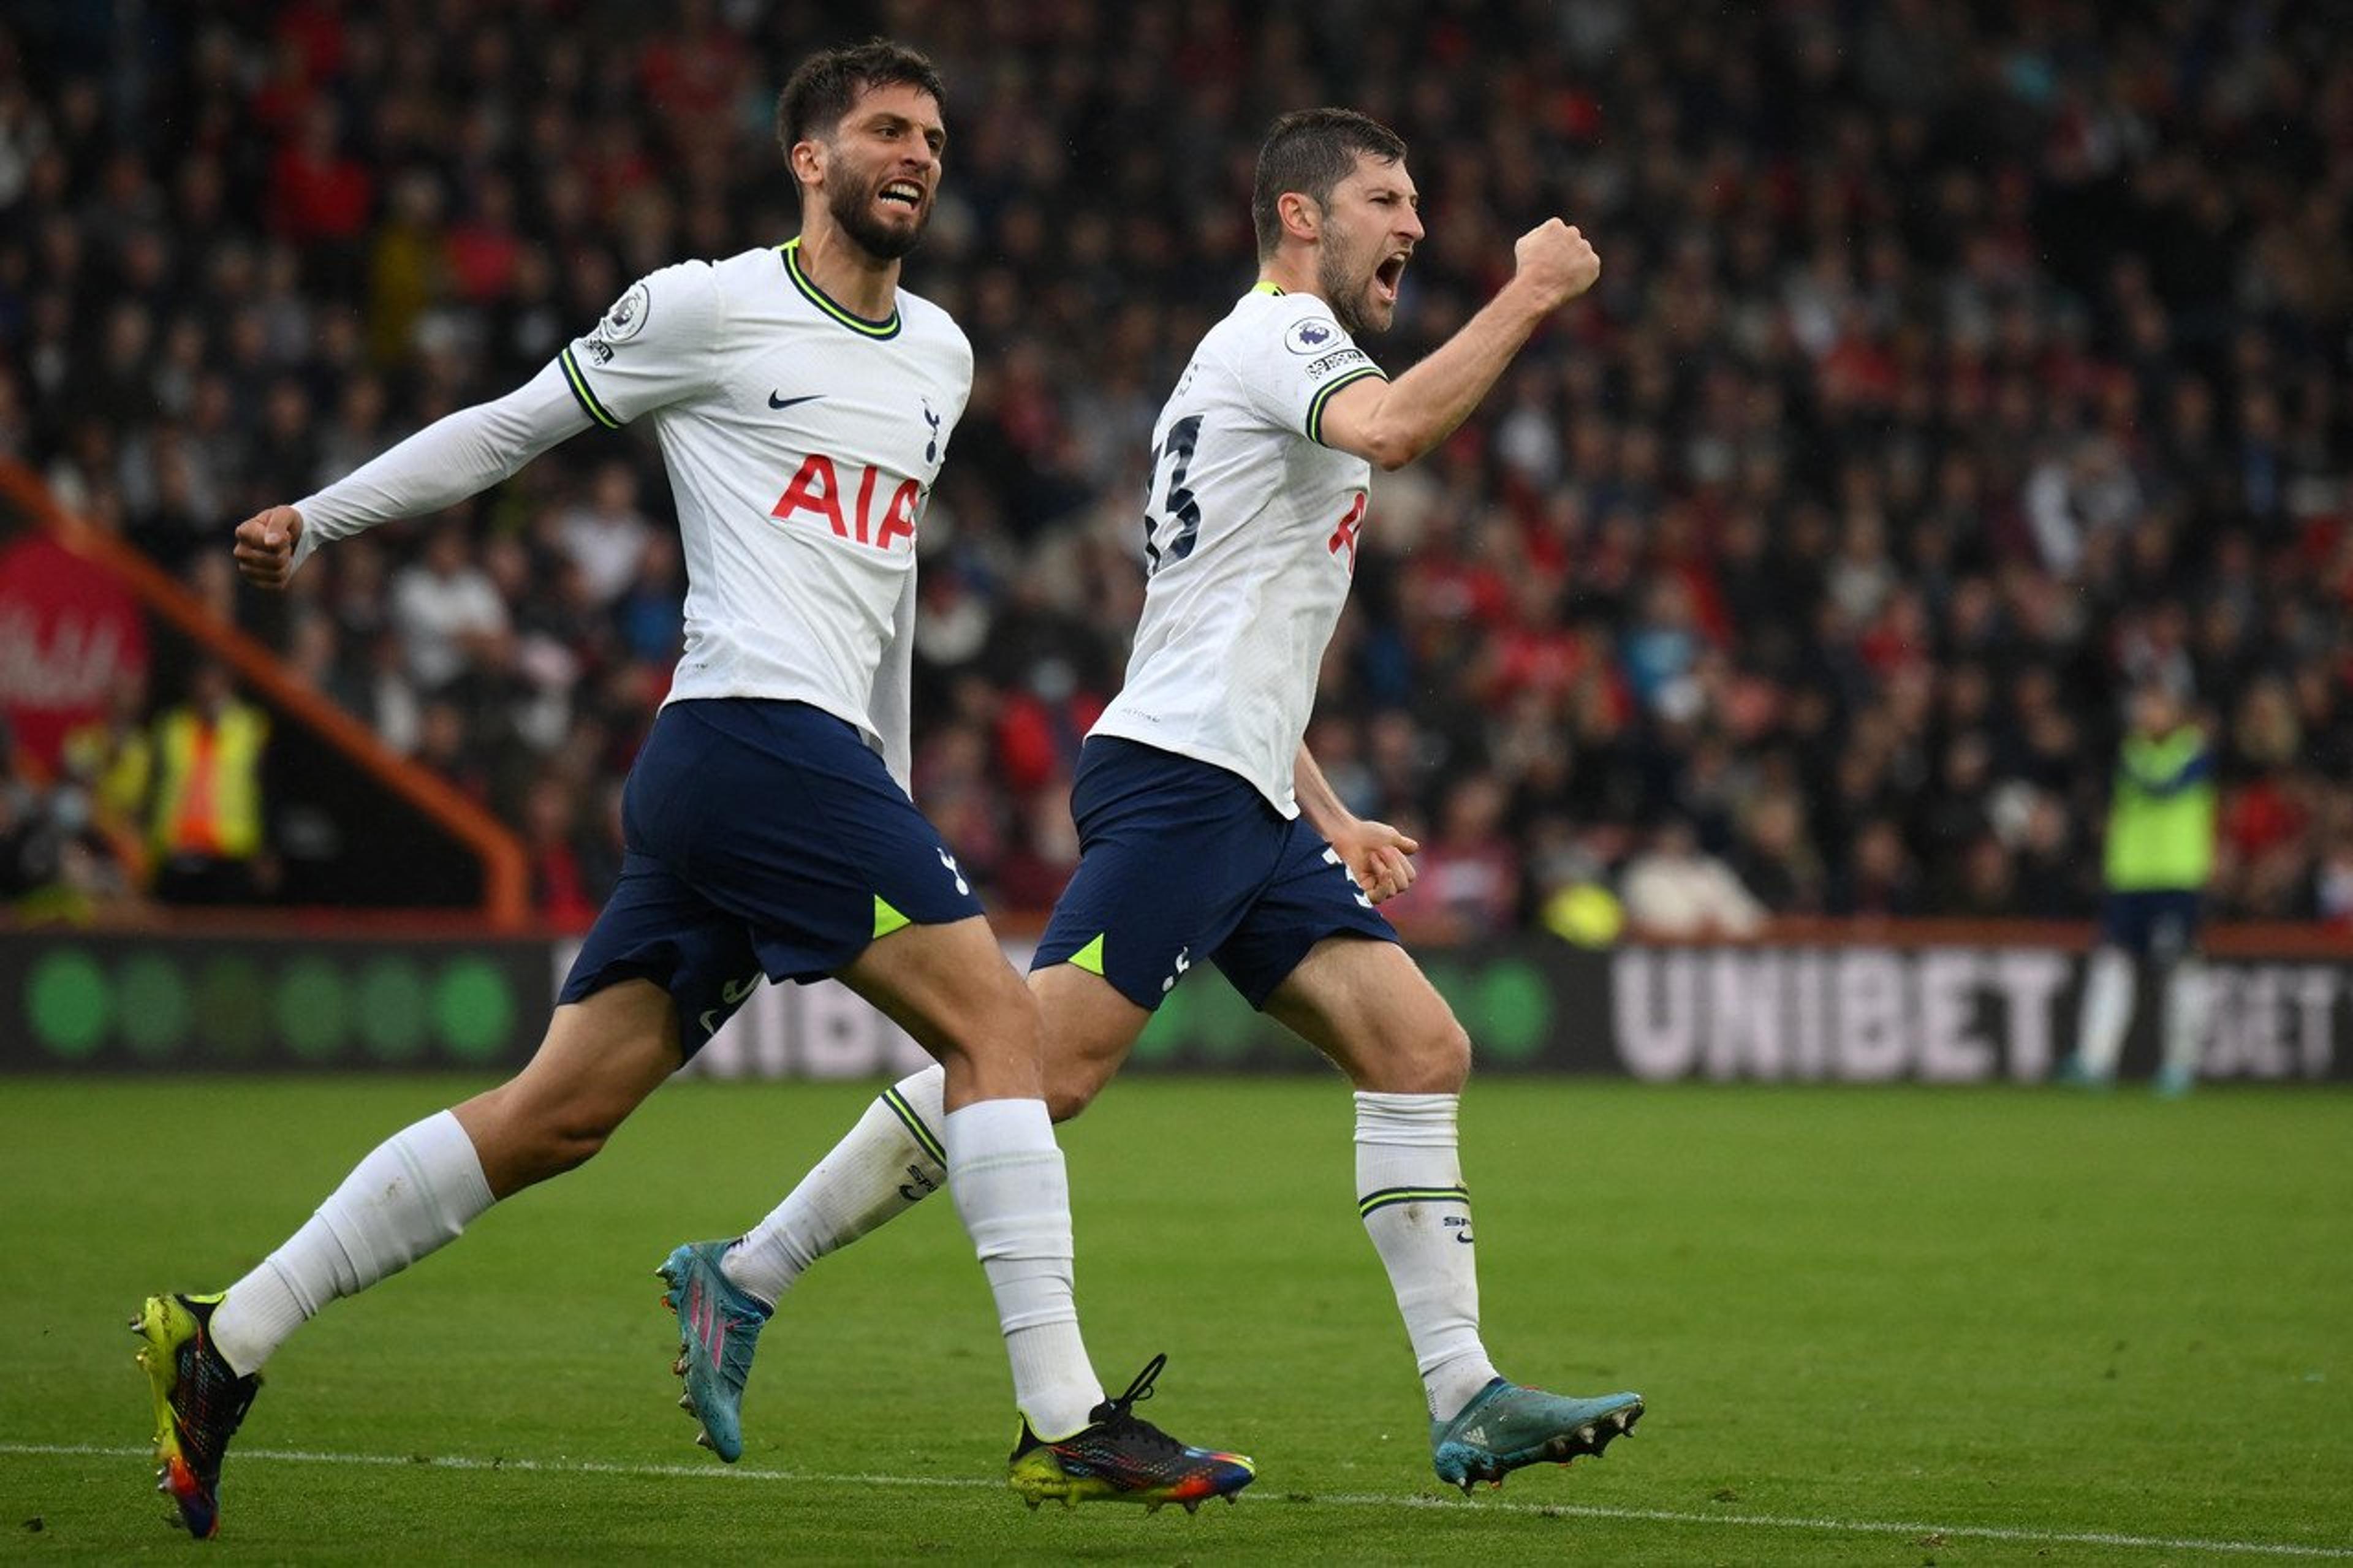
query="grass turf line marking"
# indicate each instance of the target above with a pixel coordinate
(1343, 1499)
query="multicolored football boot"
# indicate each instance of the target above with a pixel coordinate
(1506, 1426)
(199, 1403)
(718, 1326)
(1119, 1457)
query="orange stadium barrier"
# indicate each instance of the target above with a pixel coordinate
(505, 902)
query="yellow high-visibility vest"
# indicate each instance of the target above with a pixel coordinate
(208, 783)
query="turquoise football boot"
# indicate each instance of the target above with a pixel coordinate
(1506, 1426)
(2076, 1073)
(718, 1326)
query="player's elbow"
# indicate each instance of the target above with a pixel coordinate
(1389, 449)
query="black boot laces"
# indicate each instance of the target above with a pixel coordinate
(1118, 1416)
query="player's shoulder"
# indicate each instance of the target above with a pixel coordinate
(665, 299)
(747, 273)
(922, 319)
(1267, 326)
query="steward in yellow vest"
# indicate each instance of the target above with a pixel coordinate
(2160, 853)
(205, 824)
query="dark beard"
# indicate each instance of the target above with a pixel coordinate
(854, 211)
(1331, 276)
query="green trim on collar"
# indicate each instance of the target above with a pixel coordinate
(865, 326)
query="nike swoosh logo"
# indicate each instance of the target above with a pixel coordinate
(776, 402)
(1463, 1237)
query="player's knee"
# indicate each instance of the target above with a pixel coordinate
(1071, 1088)
(527, 1136)
(1438, 1061)
(572, 1143)
(1432, 1057)
(996, 1027)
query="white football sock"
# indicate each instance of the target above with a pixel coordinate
(415, 1191)
(2106, 1013)
(2186, 997)
(892, 1161)
(1410, 1191)
(1013, 1194)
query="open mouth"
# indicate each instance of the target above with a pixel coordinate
(1386, 276)
(903, 193)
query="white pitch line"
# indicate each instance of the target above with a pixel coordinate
(1343, 1499)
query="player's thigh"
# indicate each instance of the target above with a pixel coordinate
(599, 1059)
(807, 839)
(1172, 854)
(656, 928)
(952, 988)
(1364, 1003)
(1089, 1027)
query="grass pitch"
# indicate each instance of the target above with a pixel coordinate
(1892, 1326)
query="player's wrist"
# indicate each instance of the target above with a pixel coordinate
(1525, 301)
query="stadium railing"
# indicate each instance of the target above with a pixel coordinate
(345, 760)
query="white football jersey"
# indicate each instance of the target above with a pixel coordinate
(1250, 527)
(802, 442)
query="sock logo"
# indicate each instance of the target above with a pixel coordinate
(1460, 1224)
(917, 1187)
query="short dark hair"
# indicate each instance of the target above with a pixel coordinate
(1310, 151)
(822, 90)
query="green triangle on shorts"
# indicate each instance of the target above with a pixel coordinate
(886, 919)
(1090, 957)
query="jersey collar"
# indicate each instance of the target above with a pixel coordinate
(1266, 286)
(865, 326)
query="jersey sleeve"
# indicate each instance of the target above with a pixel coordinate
(1295, 359)
(460, 454)
(656, 345)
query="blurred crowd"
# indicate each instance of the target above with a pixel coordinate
(1953, 368)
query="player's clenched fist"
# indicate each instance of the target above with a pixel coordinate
(264, 546)
(1555, 259)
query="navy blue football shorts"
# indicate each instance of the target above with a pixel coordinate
(759, 838)
(2159, 924)
(1181, 861)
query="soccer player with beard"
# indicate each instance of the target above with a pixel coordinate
(1206, 829)
(803, 402)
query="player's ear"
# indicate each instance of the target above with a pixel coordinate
(1302, 219)
(806, 161)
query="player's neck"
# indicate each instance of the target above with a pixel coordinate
(851, 276)
(1292, 271)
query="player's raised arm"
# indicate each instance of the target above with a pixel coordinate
(1391, 423)
(455, 456)
(652, 347)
